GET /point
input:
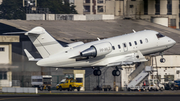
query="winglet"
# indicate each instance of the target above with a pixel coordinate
(30, 57)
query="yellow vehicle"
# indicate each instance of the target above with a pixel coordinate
(69, 84)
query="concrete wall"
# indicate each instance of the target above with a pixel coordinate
(75, 17)
(79, 17)
(19, 90)
(161, 21)
(107, 17)
(64, 16)
(35, 16)
(50, 16)
(93, 17)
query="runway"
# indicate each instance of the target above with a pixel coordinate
(56, 95)
(91, 98)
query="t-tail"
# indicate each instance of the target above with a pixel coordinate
(43, 41)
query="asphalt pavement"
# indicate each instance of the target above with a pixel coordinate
(56, 95)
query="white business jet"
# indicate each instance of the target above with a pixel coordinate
(111, 52)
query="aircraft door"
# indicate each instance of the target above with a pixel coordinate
(125, 47)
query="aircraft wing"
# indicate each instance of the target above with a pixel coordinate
(129, 59)
(30, 57)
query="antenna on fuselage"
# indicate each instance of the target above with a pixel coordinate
(134, 31)
(98, 39)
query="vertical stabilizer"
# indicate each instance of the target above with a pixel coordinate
(44, 42)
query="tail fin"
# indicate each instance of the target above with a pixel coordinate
(44, 42)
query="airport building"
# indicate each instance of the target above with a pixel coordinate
(6, 60)
(164, 12)
(17, 70)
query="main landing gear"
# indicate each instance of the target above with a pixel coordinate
(162, 60)
(116, 72)
(97, 72)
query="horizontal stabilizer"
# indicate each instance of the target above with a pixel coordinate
(37, 30)
(15, 33)
(30, 57)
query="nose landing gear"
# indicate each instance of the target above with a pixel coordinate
(162, 60)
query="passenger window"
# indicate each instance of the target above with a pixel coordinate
(130, 44)
(141, 41)
(146, 40)
(124, 45)
(135, 42)
(119, 46)
(113, 47)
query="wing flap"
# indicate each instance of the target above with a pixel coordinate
(129, 59)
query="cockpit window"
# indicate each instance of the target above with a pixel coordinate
(159, 35)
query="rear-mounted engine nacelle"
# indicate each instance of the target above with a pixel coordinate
(97, 50)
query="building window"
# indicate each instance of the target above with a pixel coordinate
(1, 48)
(3, 75)
(157, 7)
(100, 1)
(169, 7)
(79, 79)
(119, 46)
(100, 9)
(135, 42)
(86, 1)
(131, 6)
(71, 1)
(145, 7)
(168, 78)
(86, 8)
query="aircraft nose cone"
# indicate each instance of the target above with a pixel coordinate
(172, 42)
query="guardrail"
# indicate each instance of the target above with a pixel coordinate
(19, 90)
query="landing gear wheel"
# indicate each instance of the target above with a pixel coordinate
(113, 72)
(162, 60)
(97, 72)
(116, 73)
